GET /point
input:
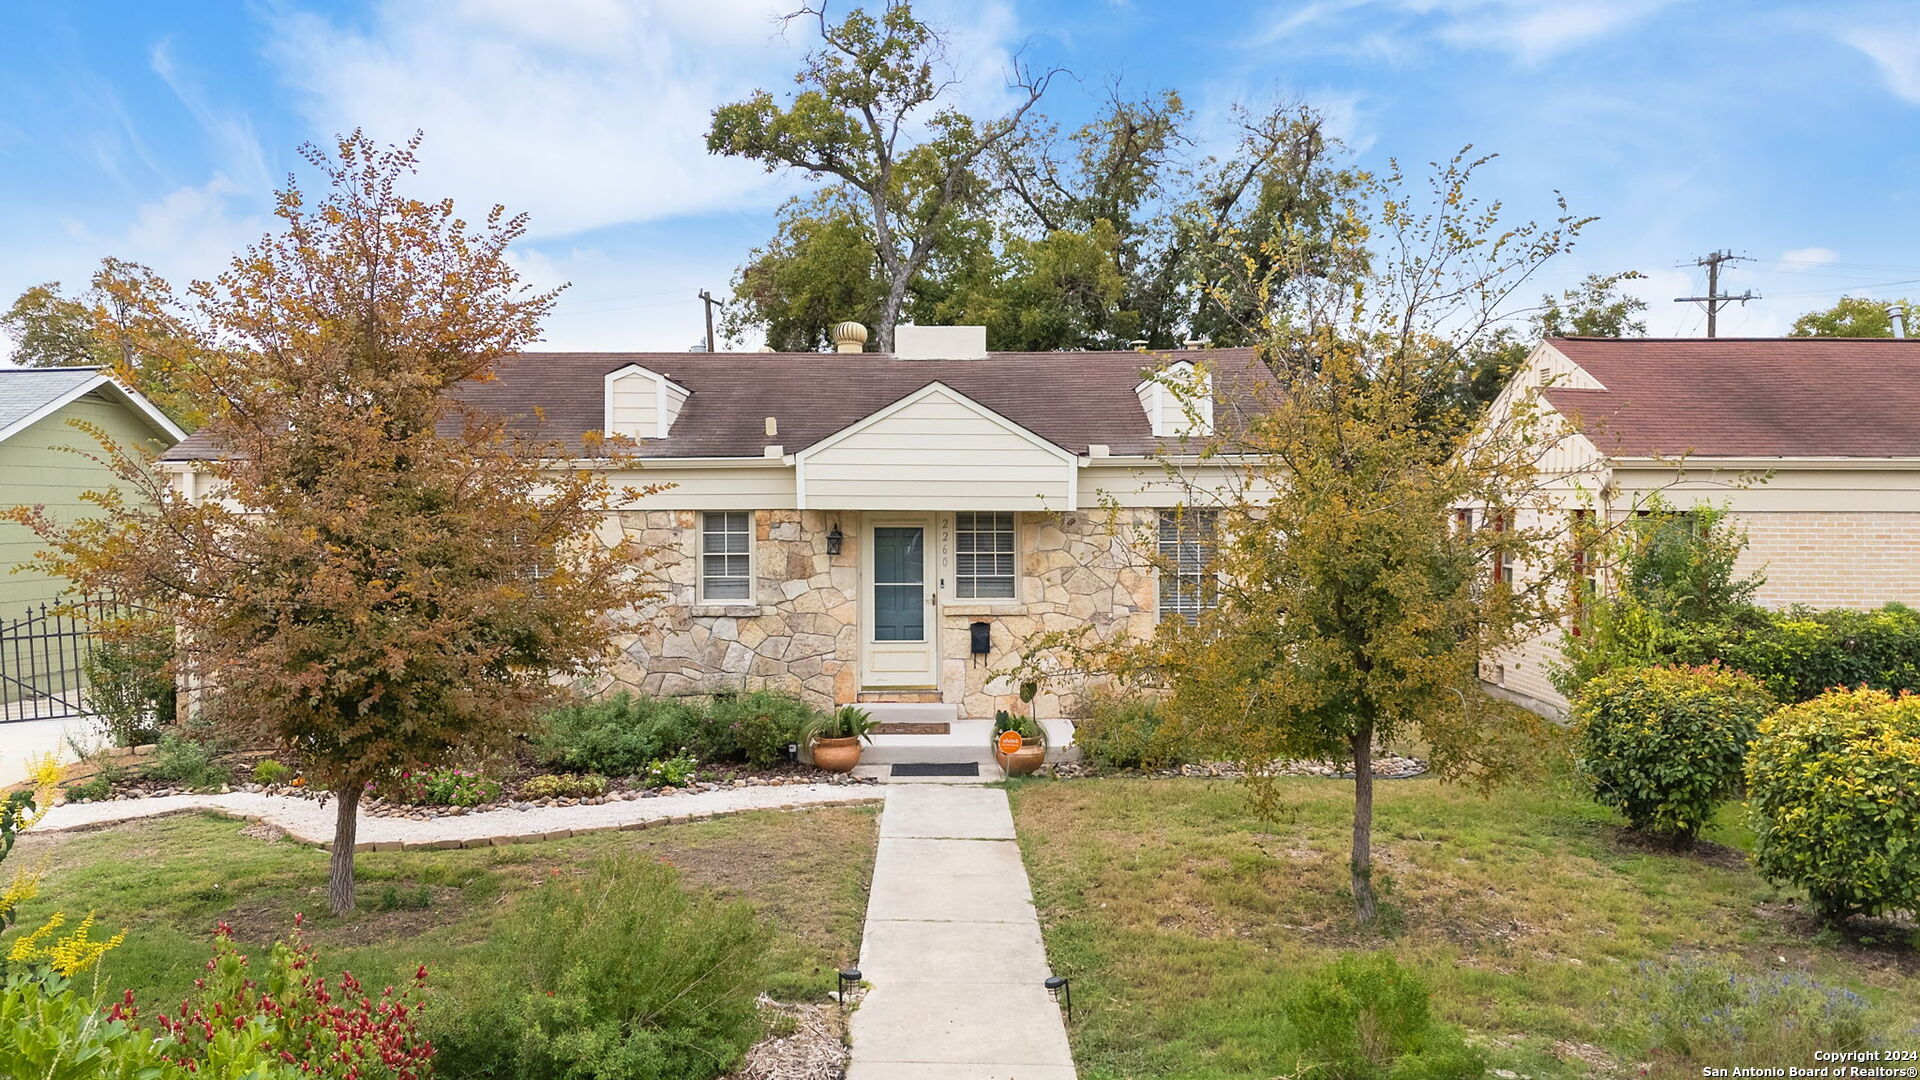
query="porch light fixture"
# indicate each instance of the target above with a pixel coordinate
(834, 539)
(849, 978)
(1058, 986)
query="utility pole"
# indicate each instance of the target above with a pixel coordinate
(706, 298)
(1715, 299)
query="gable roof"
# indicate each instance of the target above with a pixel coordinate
(1070, 399)
(29, 395)
(936, 387)
(1745, 397)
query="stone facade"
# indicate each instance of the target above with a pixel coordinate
(803, 630)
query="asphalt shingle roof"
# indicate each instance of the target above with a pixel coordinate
(25, 391)
(1746, 397)
(1072, 399)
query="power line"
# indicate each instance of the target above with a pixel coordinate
(1715, 299)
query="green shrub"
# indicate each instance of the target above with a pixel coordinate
(580, 786)
(1129, 733)
(270, 773)
(1801, 653)
(1709, 1011)
(1834, 784)
(92, 789)
(1364, 1016)
(443, 787)
(1664, 746)
(754, 727)
(129, 686)
(183, 762)
(676, 771)
(623, 975)
(617, 736)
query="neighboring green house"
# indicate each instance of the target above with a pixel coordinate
(38, 467)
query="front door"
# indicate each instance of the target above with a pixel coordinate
(900, 620)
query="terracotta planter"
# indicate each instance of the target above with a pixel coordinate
(1024, 761)
(836, 755)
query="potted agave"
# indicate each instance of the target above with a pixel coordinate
(834, 738)
(1033, 744)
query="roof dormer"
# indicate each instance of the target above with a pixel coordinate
(1178, 400)
(641, 403)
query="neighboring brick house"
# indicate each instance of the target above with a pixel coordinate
(854, 526)
(1813, 444)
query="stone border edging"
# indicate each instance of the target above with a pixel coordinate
(310, 822)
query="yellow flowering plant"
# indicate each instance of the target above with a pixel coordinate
(66, 956)
(19, 812)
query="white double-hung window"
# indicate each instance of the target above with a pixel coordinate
(1188, 582)
(983, 555)
(726, 556)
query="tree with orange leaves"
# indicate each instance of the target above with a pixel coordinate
(374, 575)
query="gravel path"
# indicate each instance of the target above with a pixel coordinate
(312, 821)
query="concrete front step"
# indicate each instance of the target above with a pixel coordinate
(911, 712)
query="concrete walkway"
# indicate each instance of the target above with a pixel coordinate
(312, 821)
(952, 948)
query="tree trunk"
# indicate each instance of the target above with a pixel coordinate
(1363, 903)
(346, 824)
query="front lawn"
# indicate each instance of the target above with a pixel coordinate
(1183, 920)
(169, 881)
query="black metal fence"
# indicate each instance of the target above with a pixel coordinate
(43, 659)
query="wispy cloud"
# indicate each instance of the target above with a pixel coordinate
(584, 113)
(1811, 256)
(1895, 50)
(1537, 30)
(229, 130)
(1531, 31)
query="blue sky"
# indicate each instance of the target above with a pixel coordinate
(156, 131)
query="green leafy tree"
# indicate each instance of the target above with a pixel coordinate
(1674, 578)
(819, 269)
(1852, 317)
(870, 114)
(125, 303)
(51, 330)
(1348, 608)
(388, 578)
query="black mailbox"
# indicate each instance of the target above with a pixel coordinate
(982, 638)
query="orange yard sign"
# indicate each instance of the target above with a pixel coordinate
(1010, 742)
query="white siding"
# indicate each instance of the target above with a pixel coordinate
(938, 451)
(633, 406)
(757, 487)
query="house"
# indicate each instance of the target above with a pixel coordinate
(857, 526)
(39, 466)
(1812, 444)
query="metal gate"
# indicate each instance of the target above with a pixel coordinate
(43, 656)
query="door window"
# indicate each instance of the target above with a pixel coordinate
(899, 583)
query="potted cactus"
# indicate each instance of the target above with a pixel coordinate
(1033, 744)
(834, 738)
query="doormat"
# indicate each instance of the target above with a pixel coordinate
(912, 727)
(937, 768)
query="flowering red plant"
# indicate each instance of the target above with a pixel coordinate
(320, 1028)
